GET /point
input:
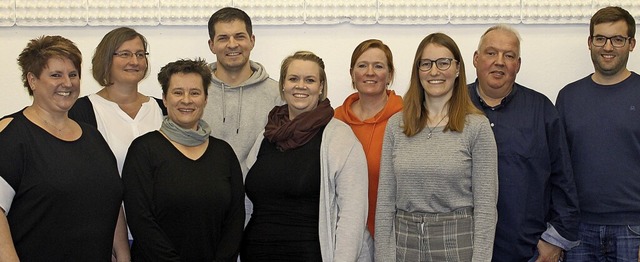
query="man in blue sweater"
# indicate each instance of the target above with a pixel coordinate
(601, 113)
(537, 200)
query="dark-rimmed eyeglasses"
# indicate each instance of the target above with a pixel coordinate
(616, 40)
(129, 54)
(442, 63)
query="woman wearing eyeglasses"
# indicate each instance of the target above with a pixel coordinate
(438, 173)
(118, 110)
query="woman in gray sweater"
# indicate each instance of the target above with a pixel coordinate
(438, 173)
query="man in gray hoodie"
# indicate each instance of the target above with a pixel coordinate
(242, 93)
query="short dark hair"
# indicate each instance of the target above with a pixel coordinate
(185, 66)
(229, 14)
(103, 55)
(35, 56)
(612, 14)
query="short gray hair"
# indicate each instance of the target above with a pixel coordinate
(501, 27)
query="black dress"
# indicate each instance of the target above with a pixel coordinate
(67, 193)
(285, 190)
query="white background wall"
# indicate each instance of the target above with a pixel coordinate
(552, 55)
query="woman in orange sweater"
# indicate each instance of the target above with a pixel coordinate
(368, 110)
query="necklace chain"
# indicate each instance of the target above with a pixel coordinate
(47, 122)
(434, 127)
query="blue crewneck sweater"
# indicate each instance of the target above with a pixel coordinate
(603, 133)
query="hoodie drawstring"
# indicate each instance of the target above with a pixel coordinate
(224, 107)
(239, 110)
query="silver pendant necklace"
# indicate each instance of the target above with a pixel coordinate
(431, 129)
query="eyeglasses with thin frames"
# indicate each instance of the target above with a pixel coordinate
(129, 54)
(442, 63)
(616, 40)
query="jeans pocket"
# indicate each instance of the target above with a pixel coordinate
(634, 230)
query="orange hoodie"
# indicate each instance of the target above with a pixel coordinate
(370, 132)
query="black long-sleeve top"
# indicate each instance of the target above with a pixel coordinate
(179, 209)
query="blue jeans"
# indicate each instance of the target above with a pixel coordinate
(606, 243)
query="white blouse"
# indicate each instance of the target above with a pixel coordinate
(119, 129)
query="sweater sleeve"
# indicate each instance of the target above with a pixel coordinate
(563, 210)
(229, 244)
(351, 195)
(484, 184)
(137, 174)
(385, 244)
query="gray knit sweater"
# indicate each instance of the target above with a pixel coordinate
(449, 171)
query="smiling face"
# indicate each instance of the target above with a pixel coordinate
(302, 87)
(185, 99)
(57, 87)
(437, 82)
(129, 71)
(370, 74)
(232, 45)
(609, 61)
(497, 61)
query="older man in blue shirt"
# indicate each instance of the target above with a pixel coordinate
(537, 199)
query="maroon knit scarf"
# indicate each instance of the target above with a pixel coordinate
(289, 134)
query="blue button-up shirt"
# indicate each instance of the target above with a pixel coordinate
(537, 195)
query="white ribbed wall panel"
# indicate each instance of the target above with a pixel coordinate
(7, 12)
(341, 11)
(485, 11)
(293, 12)
(413, 12)
(556, 12)
(273, 12)
(123, 12)
(51, 12)
(189, 12)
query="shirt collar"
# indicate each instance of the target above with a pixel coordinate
(505, 100)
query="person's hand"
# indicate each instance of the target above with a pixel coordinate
(548, 252)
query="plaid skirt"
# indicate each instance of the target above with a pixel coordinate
(434, 236)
